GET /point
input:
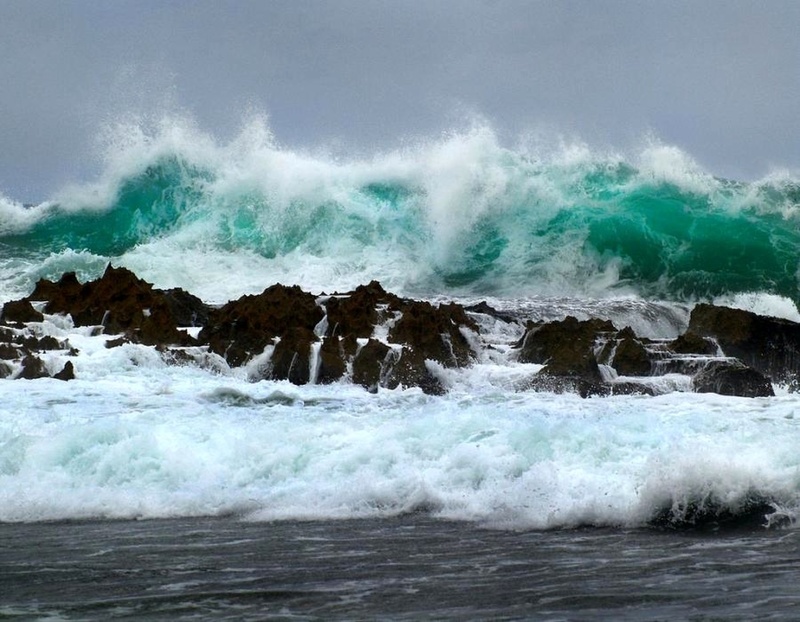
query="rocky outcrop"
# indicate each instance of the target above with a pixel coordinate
(243, 328)
(566, 347)
(573, 352)
(379, 340)
(121, 302)
(19, 311)
(732, 377)
(767, 344)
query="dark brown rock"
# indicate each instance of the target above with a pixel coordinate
(244, 327)
(33, 368)
(67, 373)
(119, 301)
(370, 363)
(186, 309)
(357, 313)
(21, 311)
(5, 370)
(767, 344)
(290, 359)
(434, 332)
(567, 384)
(630, 388)
(332, 366)
(486, 309)
(631, 358)
(565, 347)
(410, 370)
(8, 351)
(731, 377)
(690, 343)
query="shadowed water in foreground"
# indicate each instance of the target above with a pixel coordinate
(406, 568)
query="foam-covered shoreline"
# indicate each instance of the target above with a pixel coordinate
(379, 340)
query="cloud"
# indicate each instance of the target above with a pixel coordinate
(720, 79)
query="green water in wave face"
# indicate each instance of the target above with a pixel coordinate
(515, 228)
(688, 245)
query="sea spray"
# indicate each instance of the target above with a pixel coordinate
(460, 214)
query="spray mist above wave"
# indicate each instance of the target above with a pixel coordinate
(462, 214)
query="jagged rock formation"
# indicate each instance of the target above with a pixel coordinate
(767, 344)
(379, 340)
(121, 302)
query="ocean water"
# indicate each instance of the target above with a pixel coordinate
(152, 490)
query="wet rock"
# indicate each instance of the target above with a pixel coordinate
(186, 309)
(8, 351)
(357, 313)
(32, 368)
(731, 377)
(551, 383)
(332, 366)
(486, 309)
(370, 363)
(116, 343)
(435, 332)
(20, 311)
(47, 342)
(565, 347)
(244, 327)
(290, 359)
(411, 370)
(691, 343)
(119, 301)
(630, 388)
(631, 357)
(67, 373)
(709, 513)
(767, 344)
(5, 370)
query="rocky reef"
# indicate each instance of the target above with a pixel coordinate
(377, 339)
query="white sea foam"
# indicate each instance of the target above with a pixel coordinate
(134, 437)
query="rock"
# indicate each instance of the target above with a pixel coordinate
(47, 342)
(356, 314)
(767, 344)
(709, 513)
(331, 361)
(244, 327)
(33, 368)
(370, 363)
(410, 370)
(5, 370)
(567, 384)
(435, 332)
(691, 343)
(565, 347)
(67, 373)
(290, 359)
(631, 358)
(120, 302)
(186, 309)
(21, 311)
(731, 377)
(8, 351)
(486, 309)
(630, 388)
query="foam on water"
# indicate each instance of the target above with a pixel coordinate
(539, 233)
(134, 437)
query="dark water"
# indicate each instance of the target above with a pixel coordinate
(406, 568)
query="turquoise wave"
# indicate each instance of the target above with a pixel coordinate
(503, 222)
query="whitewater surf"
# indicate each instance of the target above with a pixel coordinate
(638, 239)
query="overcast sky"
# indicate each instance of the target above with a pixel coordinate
(719, 79)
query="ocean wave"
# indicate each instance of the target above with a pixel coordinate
(460, 214)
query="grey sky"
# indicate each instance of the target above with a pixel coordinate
(719, 79)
